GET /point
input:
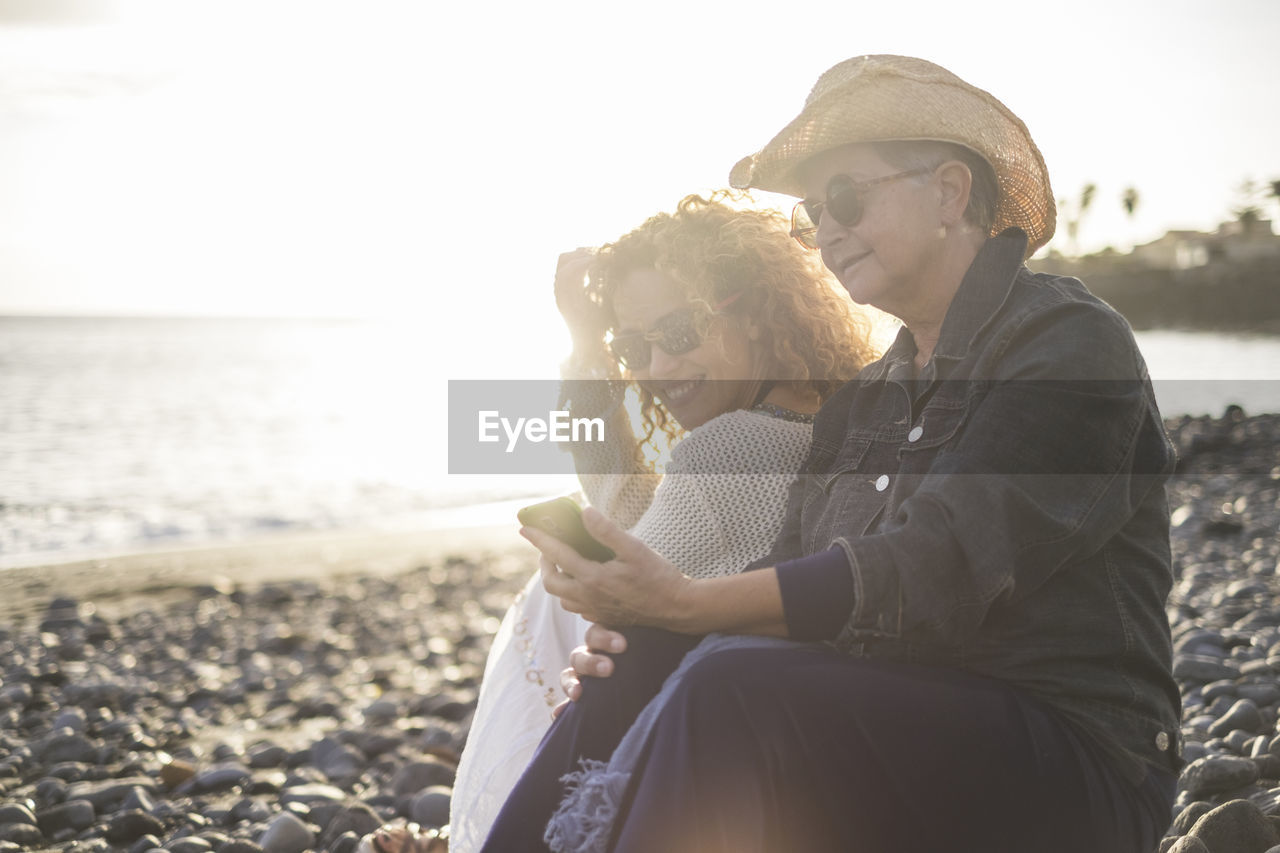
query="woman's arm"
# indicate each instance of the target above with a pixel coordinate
(641, 587)
(612, 472)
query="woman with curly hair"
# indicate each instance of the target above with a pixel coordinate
(733, 336)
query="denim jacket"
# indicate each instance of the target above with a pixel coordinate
(1004, 511)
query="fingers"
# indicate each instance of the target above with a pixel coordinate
(571, 267)
(559, 553)
(582, 254)
(602, 639)
(559, 709)
(560, 564)
(620, 541)
(589, 664)
(570, 684)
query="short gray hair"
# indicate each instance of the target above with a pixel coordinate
(984, 193)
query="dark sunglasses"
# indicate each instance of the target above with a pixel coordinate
(675, 333)
(845, 202)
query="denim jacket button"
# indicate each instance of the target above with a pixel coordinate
(882, 482)
(915, 434)
(1162, 741)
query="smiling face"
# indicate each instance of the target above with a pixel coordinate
(892, 254)
(717, 376)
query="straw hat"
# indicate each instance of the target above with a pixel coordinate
(874, 98)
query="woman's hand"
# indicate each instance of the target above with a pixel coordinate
(638, 587)
(589, 661)
(584, 316)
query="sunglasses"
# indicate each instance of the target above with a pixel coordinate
(845, 202)
(675, 334)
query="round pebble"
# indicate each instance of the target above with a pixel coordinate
(287, 834)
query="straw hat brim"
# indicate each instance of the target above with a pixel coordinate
(881, 98)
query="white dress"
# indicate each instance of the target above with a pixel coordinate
(718, 508)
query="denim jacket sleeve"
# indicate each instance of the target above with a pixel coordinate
(1058, 443)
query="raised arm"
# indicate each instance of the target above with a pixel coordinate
(613, 473)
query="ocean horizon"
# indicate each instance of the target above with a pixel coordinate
(129, 433)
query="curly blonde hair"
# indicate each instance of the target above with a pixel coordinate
(812, 337)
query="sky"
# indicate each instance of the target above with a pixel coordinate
(428, 161)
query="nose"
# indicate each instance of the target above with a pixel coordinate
(661, 364)
(830, 232)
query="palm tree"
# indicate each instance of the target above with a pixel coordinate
(1087, 192)
(1129, 198)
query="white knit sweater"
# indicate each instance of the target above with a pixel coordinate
(720, 505)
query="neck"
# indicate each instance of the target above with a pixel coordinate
(805, 402)
(924, 316)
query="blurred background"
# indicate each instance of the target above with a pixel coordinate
(244, 246)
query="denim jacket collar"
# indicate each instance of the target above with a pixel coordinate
(983, 290)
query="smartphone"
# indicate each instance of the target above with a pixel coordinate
(562, 518)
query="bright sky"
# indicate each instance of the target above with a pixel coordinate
(428, 161)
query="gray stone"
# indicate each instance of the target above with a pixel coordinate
(1237, 825)
(1261, 694)
(67, 746)
(128, 826)
(1243, 715)
(1186, 844)
(73, 814)
(266, 755)
(145, 843)
(321, 813)
(222, 777)
(339, 762)
(1268, 766)
(286, 834)
(421, 775)
(381, 713)
(1200, 641)
(71, 771)
(1187, 817)
(313, 793)
(1268, 802)
(239, 845)
(251, 810)
(431, 807)
(70, 718)
(1215, 774)
(23, 834)
(109, 792)
(191, 844)
(138, 799)
(345, 843)
(1215, 689)
(16, 696)
(16, 813)
(1236, 740)
(1203, 668)
(51, 790)
(357, 818)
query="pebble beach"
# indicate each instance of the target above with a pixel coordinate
(285, 700)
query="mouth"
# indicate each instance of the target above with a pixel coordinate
(849, 264)
(675, 393)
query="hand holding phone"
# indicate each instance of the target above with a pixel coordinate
(562, 518)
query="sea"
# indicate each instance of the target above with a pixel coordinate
(124, 434)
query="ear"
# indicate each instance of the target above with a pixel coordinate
(955, 180)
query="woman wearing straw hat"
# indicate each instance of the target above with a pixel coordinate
(973, 569)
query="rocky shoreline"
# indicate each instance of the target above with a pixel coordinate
(300, 714)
